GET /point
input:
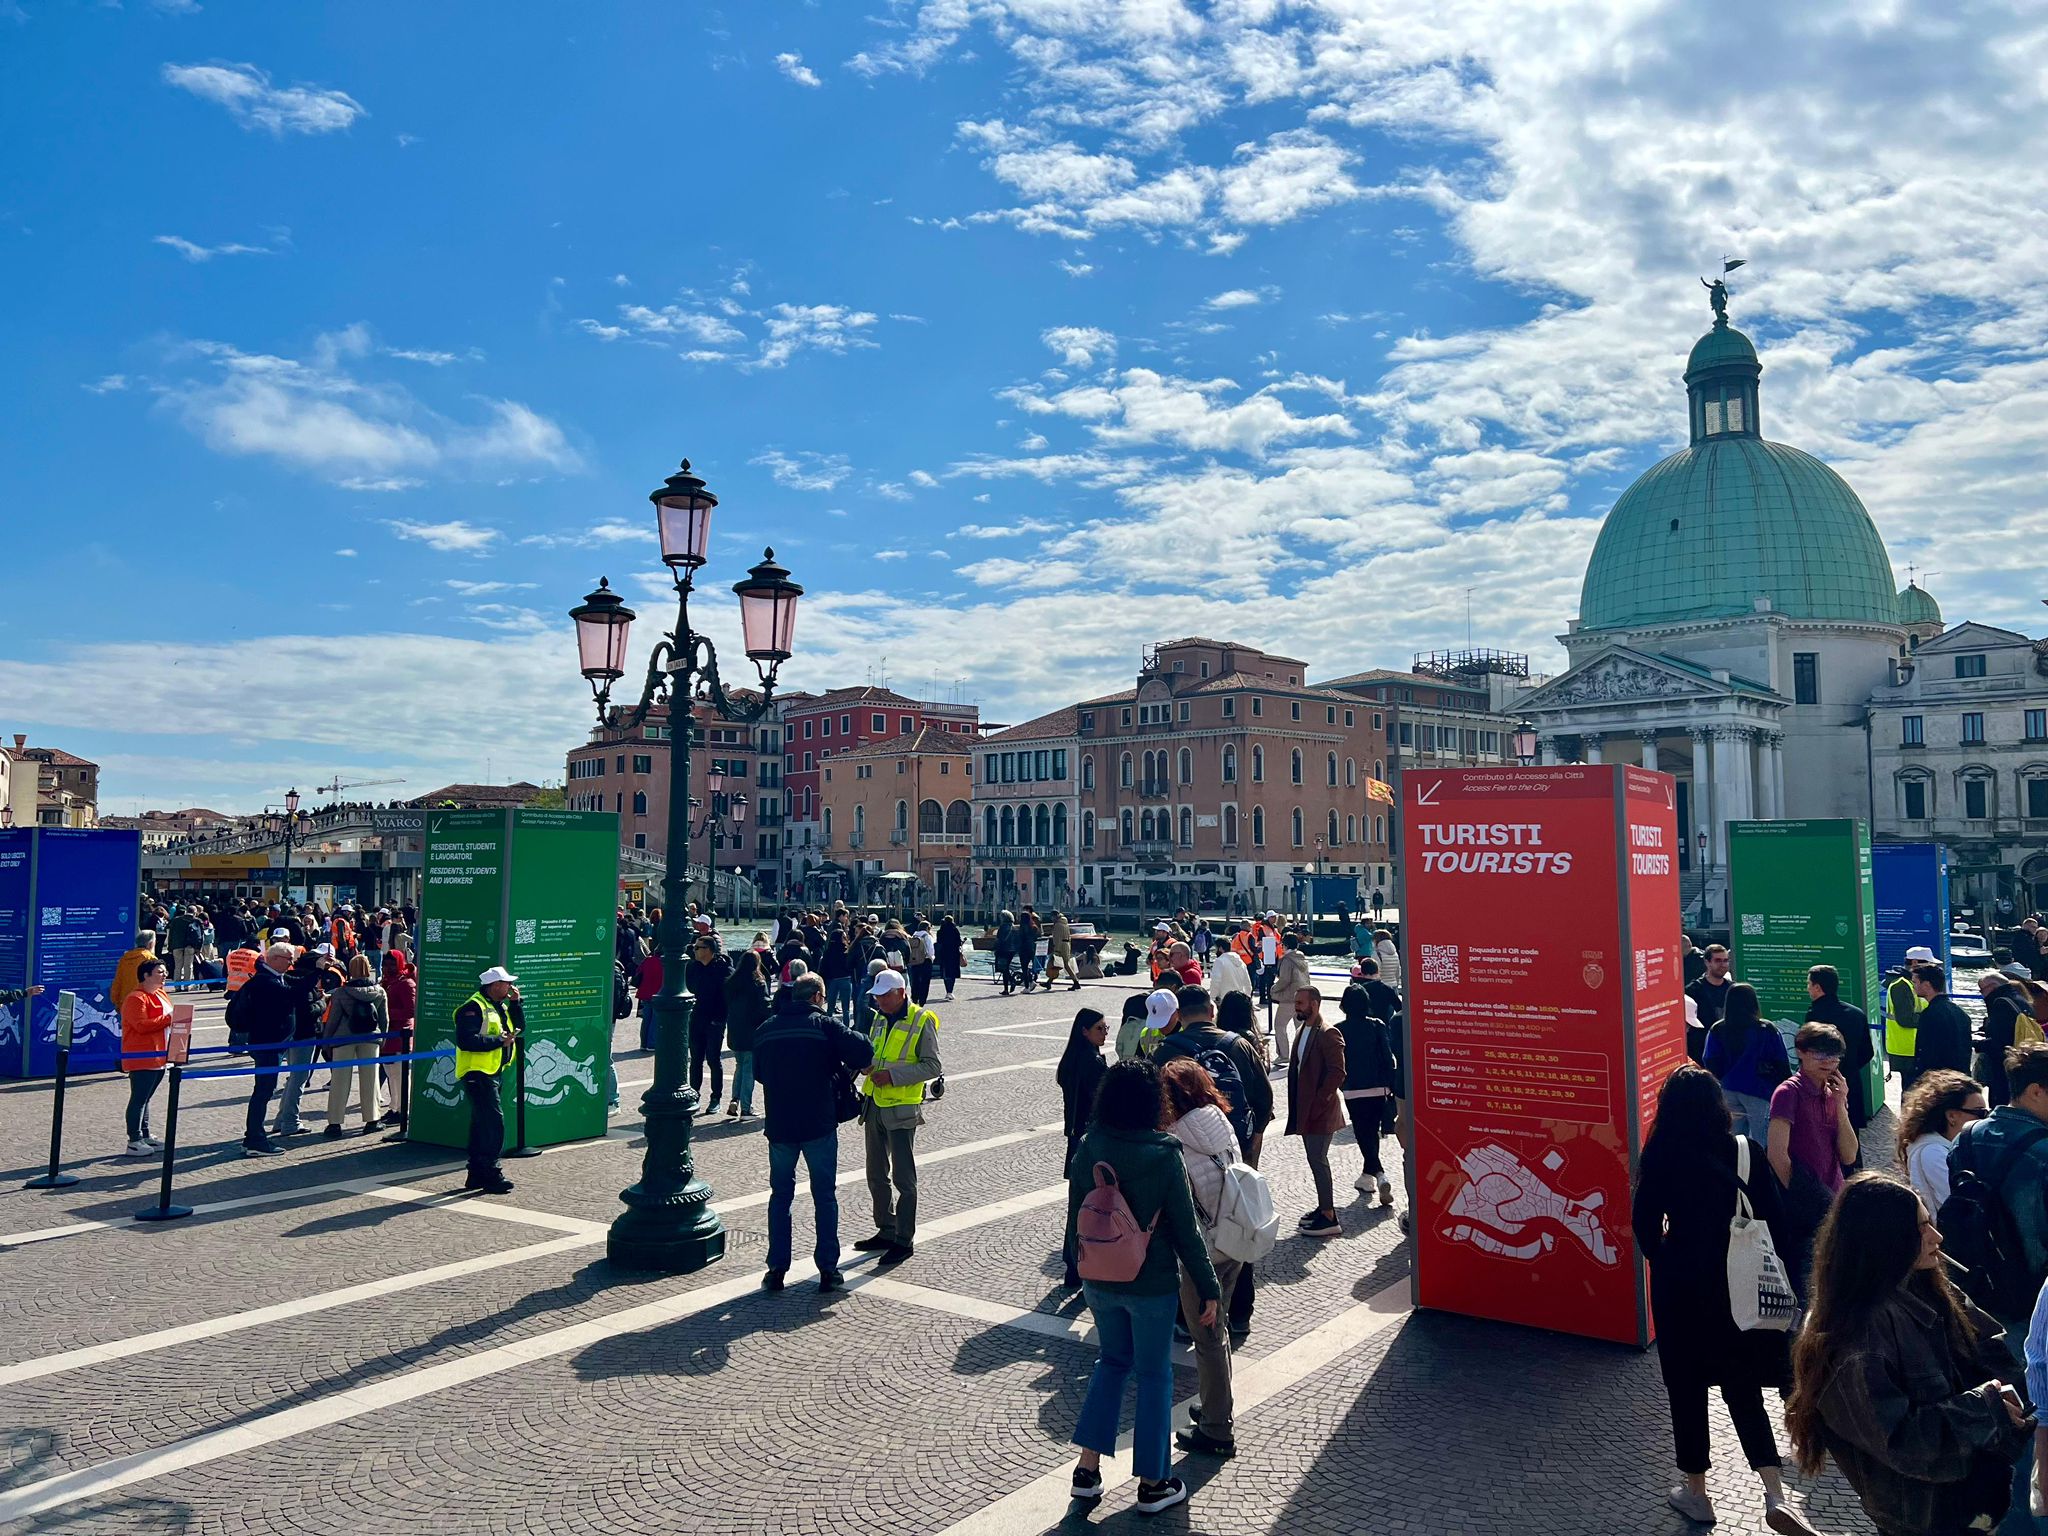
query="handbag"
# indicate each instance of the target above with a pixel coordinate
(1760, 1296)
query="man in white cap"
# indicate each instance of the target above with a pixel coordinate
(487, 1030)
(1162, 1007)
(1902, 1006)
(906, 1041)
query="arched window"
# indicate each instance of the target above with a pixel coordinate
(1333, 770)
(1043, 824)
(1350, 772)
(1350, 829)
(960, 819)
(902, 815)
(1330, 834)
(1379, 770)
(1377, 828)
(828, 823)
(1087, 829)
(1145, 827)
(1230, 765)
(1009, 838)
(1187, 766)
(1088, 771)
(1230, 826)
(639, 802)
(1059, 826)
(931, 817)
(1258, 764)
(860, 820)
(1294, 766)
(1187, 827)
(989, 826)
(1126, 828)
(1124, 771)
(1258, 826)
(1297, 826)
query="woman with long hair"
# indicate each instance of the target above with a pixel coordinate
(1746, 1052)
(1937, 1107)
(1080, 1078)
(1134, 1318)
(1685, 1198)
(746, 1011)
(1898, 1377)
(1198, 1117)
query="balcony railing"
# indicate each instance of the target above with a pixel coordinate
(899, 836)
(1154, 789)
(946, 839)
(1150, 848)
(1022, 853)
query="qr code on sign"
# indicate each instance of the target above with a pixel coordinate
(430, 930)
(524, 929)
(1753, 924)
(1440, 962)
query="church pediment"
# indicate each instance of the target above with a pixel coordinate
(1623, 676)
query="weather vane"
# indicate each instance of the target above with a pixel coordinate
(1717, 290)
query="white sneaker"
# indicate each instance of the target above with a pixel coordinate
(140, 1148)
(1696, 1507)
(1363, 1184)
(1386, 1194)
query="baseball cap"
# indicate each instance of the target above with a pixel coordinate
(886, 981)
(495, 973)
(2017, 971)
(700, 921)
(323, 949)
(1920, 952)
(1162, 927)
(1161, 1006)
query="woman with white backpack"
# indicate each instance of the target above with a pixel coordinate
(1695, 1177)
(1197, 1116)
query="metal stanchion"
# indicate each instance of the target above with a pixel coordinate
(520, 1148)
(53, 1178)
(163, 1209)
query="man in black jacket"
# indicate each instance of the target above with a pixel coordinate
(265, 1011)
(799, 1059)
(1386, 1002)
(1824, 988)
(705, 974)
(1944, 1033)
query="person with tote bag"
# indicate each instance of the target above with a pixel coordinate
(1698, 1215)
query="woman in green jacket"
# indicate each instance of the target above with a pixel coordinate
(1134, 1318)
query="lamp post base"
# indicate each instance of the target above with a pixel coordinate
(668, 1226)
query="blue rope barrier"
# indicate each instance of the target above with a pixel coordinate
(94, 1062)
(284, 1066)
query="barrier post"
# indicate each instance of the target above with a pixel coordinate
(53, 1179)
(163, 1210)
(520, 1148)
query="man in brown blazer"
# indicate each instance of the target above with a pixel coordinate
(1315, 1103)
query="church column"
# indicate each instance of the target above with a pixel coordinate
(1546, 752)
(1706, 792)
(1767, 803)
(1650, 750)
(1740, 801)
(1775, 771)
(1589, 745)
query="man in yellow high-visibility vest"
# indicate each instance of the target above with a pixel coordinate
(906, 1041)
(487, 1030)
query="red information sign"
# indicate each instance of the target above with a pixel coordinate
(1541, 923)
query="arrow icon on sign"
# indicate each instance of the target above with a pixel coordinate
(1428, 796)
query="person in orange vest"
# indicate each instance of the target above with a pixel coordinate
(342, 935)
(125, 969)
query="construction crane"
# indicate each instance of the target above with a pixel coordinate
(337, 786)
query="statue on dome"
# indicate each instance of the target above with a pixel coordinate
(1717, 295)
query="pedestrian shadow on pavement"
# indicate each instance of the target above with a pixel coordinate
(704, 1341)
(29, 1456)
(1489, 1429)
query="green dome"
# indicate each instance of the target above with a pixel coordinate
(1917, 607)
(1723, 344)
(1730, 519)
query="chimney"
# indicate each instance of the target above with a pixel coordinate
(20, 741)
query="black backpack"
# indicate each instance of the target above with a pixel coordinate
(1222, 1068)
(1977, 1230)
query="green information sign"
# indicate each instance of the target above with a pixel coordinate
(1800, 896)
(532, 891)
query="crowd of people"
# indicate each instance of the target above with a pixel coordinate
(304, 987)
(1910, 1336)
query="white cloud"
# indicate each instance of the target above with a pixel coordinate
(890, 554)
(110, 384)
(1145, 406)
(620, 280)
(346, 554)
(889, 490)
(481, 588)
(1026, 575)
(1235, 298)
(1023, 525)
(1033, 443)
(455, 537)
(805, 471)
(1291, 174)
(919, 477)
(1075, 268)
(320, 413)
(254, 102)
(793, 328)
(793, 67)
(1078, 346)
(377, 486)
(421, 355)
(194, 252)
(673, 320)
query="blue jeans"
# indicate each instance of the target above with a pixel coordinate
(822, 1158)
(301, 1058)
(743, 1080)
(1136, 1339)
(839, 998)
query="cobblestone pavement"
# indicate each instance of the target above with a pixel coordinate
(334, 1344)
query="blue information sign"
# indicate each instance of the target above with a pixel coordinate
(1911, 881)
(84, 905)
(14, 907)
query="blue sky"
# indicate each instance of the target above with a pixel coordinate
(348, 340)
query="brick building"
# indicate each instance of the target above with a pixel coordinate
(816, 727)
(625, 769)
(1220, 776)
(896, 805)
(1027, 813)
(67, 786)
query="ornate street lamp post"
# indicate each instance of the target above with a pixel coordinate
(1525, 743)
(668, 1224)
(285, 826)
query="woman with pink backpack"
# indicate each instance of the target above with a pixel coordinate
(1133, 1228)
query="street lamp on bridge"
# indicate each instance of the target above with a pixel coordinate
(668, 1223)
